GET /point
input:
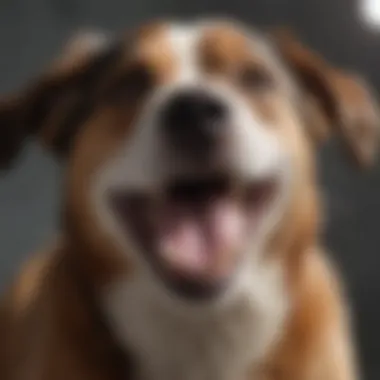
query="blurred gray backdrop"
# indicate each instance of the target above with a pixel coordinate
(32, 31)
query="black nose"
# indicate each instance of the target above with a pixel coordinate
(194, 120)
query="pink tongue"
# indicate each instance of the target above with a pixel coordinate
(202, 242)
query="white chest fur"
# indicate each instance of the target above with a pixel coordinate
(192, 343)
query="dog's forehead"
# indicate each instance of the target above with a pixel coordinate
(185, 44)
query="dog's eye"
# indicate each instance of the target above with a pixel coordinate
(132, 84)
(255, 78)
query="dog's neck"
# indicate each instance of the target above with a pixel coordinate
(173, 341)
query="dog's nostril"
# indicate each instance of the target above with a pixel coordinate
(193, 116)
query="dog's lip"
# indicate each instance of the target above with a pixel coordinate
(143, 215)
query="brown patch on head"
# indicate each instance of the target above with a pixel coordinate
(153, 50)
(223, 48)
(243, 61)
(146, 61)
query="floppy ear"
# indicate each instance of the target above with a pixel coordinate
(53, 107)
(335, 101)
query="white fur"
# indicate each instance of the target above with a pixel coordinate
(184, 43)
(173, 339)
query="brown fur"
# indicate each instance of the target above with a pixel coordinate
(50, 324)
(50, 327)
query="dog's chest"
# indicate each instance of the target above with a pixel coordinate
(204, 350)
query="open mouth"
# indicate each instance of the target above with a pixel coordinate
(195, 233)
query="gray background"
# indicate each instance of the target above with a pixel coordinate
(31, 33)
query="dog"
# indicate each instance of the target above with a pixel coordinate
(189, 243)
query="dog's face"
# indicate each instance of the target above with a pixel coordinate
(190, 147)
(206, 165)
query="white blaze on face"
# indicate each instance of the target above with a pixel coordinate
(183, 41)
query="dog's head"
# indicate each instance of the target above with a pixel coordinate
(189, 148)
